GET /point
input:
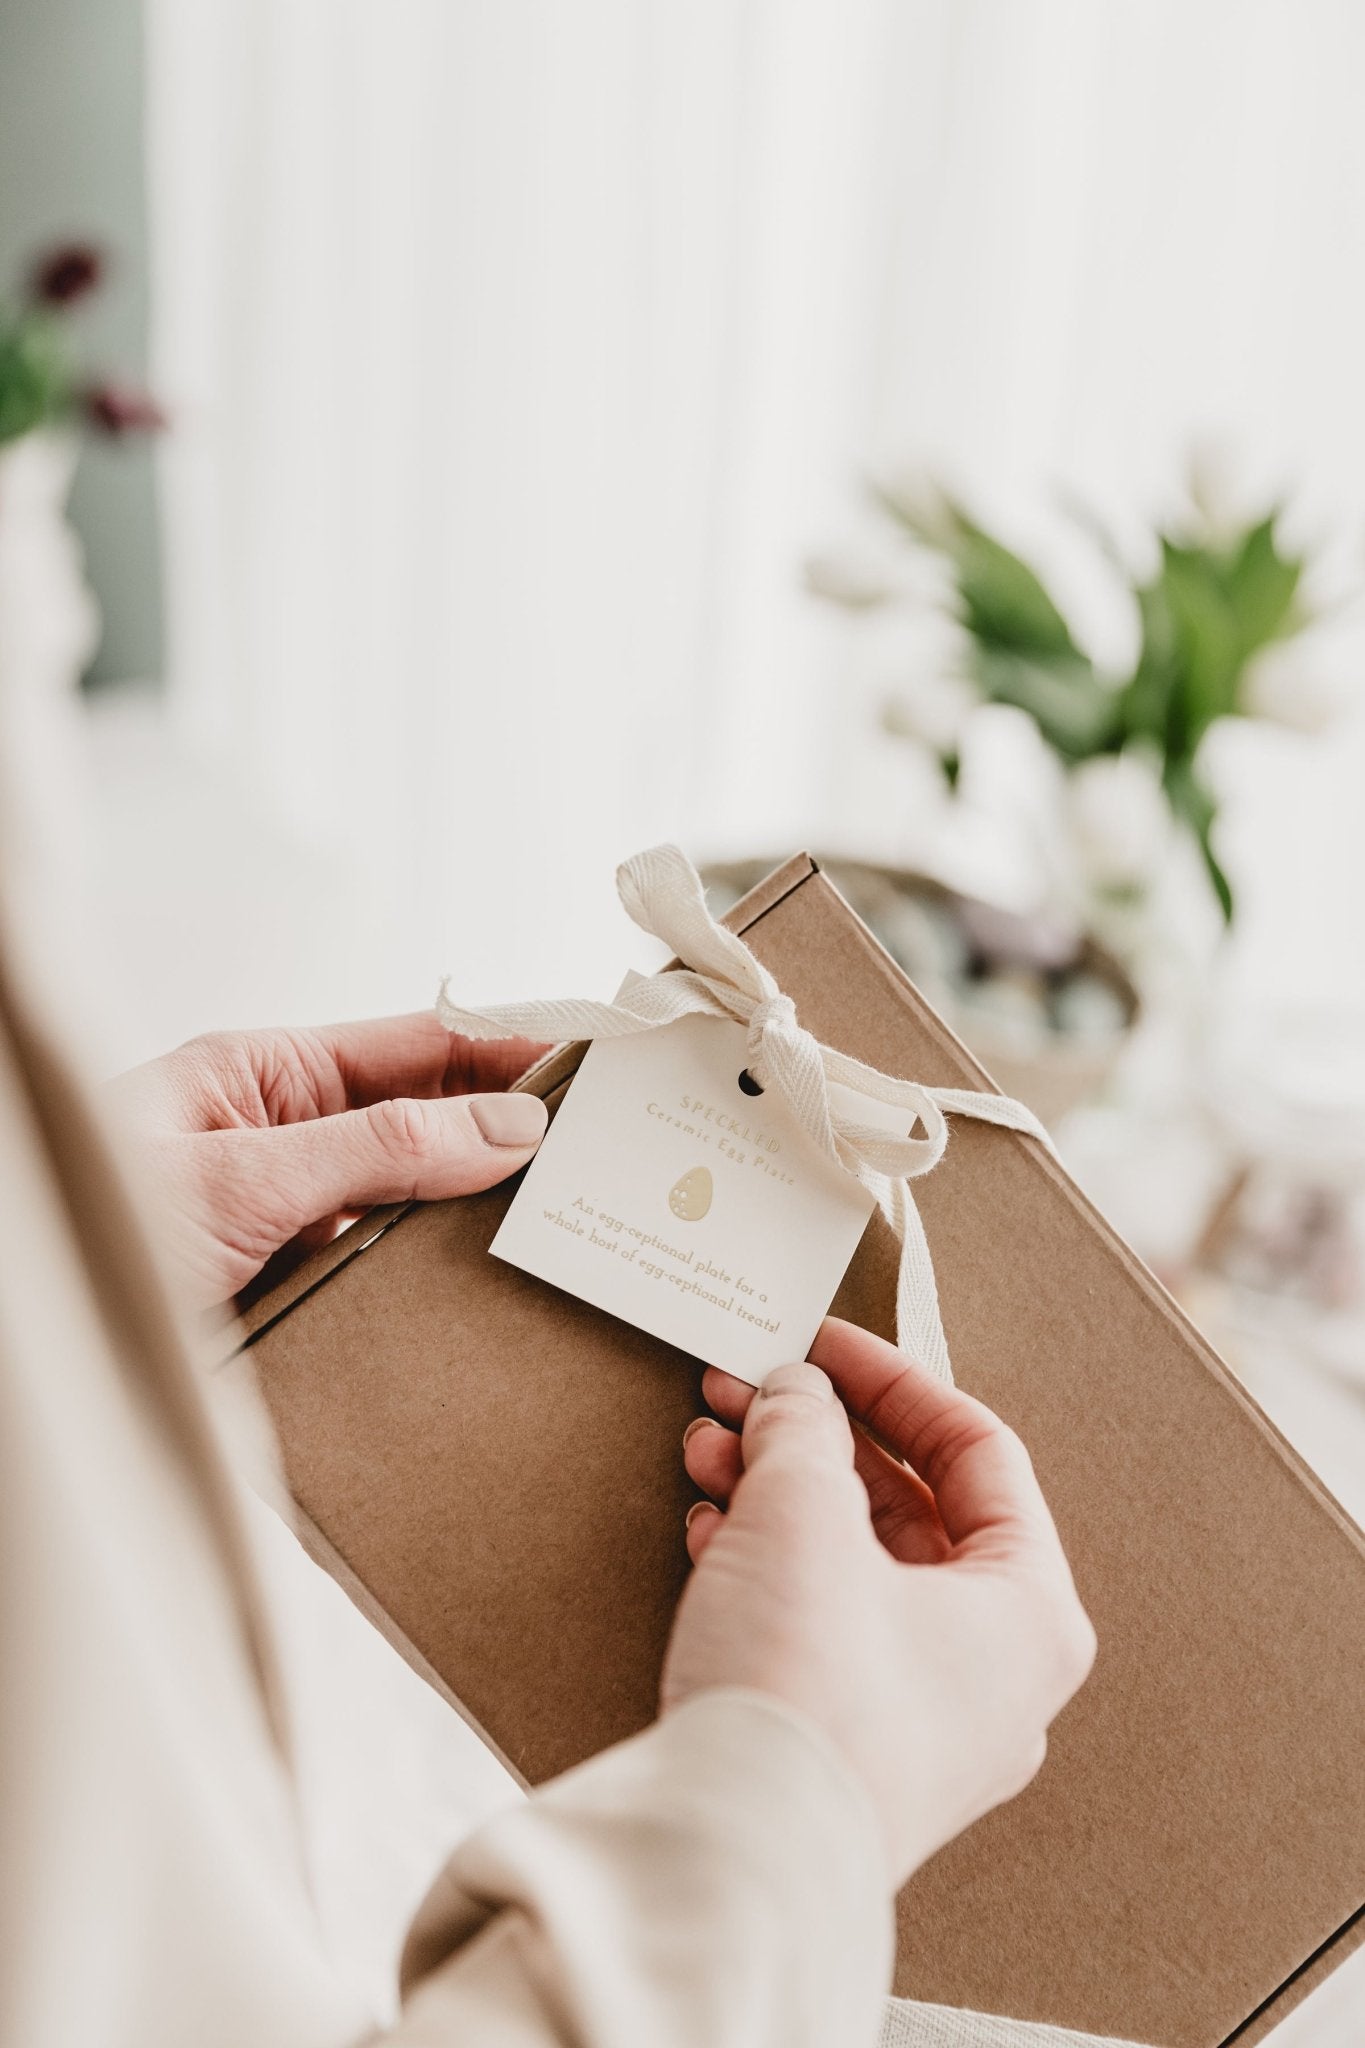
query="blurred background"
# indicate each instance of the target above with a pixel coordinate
(448, 446)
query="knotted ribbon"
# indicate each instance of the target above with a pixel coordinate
(720, 977)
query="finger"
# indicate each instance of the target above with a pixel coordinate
(395, 1151)
(726, 1396)
(353, 1066)
(372, 1057)
(904, 1513)
(795, 1417)
(979, 1472)
(311, 1238)
(314, 1235)
(714, 1458)
(703, 1521)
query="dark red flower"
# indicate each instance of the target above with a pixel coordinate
(123, 409)
(67, 273)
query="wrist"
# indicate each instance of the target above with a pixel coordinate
(792, 1741)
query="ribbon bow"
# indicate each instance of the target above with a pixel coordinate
(720, 977)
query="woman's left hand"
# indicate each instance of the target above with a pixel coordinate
(258, 1143)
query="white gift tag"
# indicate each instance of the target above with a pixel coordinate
(667, 1195)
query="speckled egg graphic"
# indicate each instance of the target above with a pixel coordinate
(690, 1198)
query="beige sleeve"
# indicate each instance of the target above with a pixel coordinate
(717, 1882)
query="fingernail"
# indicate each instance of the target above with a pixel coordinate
(699, 1422)
(700, 1507)
(512, 1120)
(796, 1379)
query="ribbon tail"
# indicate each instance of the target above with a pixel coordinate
(554, 1021)
(643, 1006)
(919, 1325)
(908, 2024)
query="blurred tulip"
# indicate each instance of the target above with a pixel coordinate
(919, 502)
(844, 581)
(1120, 821)
(933, 710)
(1292, 684)
(67, 273)
(119, 409)
(1224, 505)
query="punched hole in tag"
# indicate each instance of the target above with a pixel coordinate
(748, 1085)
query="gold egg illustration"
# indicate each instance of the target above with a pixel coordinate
(690, 1198)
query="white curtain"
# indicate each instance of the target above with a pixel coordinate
(517, 352)
(521, 351)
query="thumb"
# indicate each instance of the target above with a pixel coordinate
(799, 1490)
(400, 1150)
(795, 1418)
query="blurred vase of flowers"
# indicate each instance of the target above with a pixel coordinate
(48, 620)
(1220, 630)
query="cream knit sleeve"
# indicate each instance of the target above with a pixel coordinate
(716, 1882)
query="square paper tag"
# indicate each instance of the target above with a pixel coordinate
(667, 1195)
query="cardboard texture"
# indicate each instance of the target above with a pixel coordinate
(497, 1467)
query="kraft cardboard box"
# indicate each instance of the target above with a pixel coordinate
(493, 1469)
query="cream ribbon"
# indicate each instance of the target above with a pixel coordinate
(906, 2024)
(720, 977)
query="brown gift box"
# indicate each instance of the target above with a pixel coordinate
(493, 1470)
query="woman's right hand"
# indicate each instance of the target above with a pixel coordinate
(921, 1614)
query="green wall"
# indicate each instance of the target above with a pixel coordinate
(71, 164)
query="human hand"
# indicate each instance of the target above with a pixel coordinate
(254, 1141)
(924, 1618)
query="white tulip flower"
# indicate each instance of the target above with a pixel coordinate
(1293, 683)
(934, 710)
(1119, 819)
